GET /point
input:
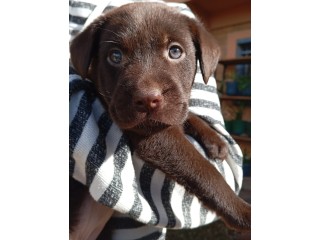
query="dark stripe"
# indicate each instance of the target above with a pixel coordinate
(145, 183)
(113, 193)
(72, 71)
(166, 193)
(124, 223)
(128, 223)
(203, 215)
(237, 187)
(186, 205)
(98, 151)
(136, 209)
(78, 20)
(108, 8)
(79, 85)
(202, 86)
(79, 121)
(195, 102)
(71, 165)
(77, 4)
(237, 158)
(230, 140)
(153, 236)
(73, 32)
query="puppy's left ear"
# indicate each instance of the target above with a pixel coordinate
(208, 51)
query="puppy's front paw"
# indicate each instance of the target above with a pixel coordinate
(240, 218)
(216, 148)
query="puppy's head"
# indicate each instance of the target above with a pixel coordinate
(142, 58)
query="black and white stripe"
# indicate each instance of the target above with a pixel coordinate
(117, 178)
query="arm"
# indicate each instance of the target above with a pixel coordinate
(203, 133)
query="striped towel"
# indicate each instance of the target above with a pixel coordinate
(145, 201)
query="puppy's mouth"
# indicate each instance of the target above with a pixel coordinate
(150, 125)
(149, 121)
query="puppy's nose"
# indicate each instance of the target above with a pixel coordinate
(147, 102)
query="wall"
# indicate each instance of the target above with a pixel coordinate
(227, 27)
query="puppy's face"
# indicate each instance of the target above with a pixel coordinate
(142, 58)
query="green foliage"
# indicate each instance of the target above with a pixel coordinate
(243, 82)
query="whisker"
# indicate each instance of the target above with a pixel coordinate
(106, 94)
(108, 30)
(110, 41)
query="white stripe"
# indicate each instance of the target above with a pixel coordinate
(112, 139)
(156, 186)
(237, 150)
(93, 2)
(236, 170)
(126, 200)
(220, 129)
(105, 173)
(100, 7)
(229, 177)
(74, 27)
(118, 3)
(73, 77)
(185, 11)
(238, 175)
(205, 95)
(215, 114)
(146, 212)
(211, 216)
(97, 109)
(195, 212)
(211, 82)
(102, 179)
(83, 147)
(79, 12)
(176, 203)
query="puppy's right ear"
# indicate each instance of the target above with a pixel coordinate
(84, 47)
(208, 51)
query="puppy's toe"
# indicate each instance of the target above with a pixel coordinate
(215, 150)
(241, 220)
(223, 152)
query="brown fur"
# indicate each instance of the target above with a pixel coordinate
(147, 95)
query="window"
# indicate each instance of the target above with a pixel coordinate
(243, 49)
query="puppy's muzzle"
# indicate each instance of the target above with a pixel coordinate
(148, 102)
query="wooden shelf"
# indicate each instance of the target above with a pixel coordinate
(241, 138)
(234, 61)
(227, 97)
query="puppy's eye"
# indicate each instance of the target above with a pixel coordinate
(175, 52)
(115, 56)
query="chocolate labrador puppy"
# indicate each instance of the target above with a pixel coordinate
(142, 58)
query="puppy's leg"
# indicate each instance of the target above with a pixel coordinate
(175, 155)
(203, 133)
(92, 218)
